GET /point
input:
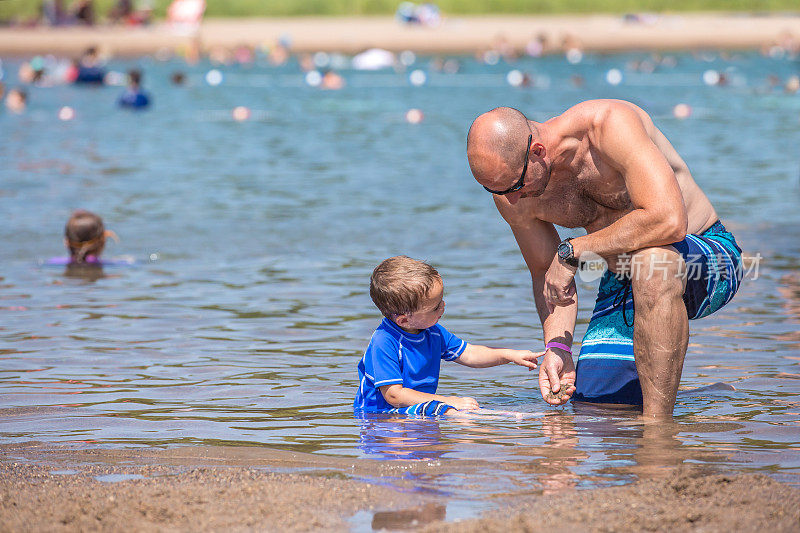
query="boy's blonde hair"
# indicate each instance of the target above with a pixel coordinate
(398, 285)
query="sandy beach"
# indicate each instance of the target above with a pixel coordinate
(49, 488)
(456, 34)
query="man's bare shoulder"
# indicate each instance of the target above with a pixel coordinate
(603, 104)
(603, 120)
(597, 112)
(591, 117)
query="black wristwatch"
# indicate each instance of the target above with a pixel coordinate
(567, 254)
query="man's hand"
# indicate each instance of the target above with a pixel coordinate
(463, 403)
(557, 373)
(559, 284)
(524, 358)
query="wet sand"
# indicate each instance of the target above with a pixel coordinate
(687, 499)
(456, 35)
(198, 489)
(47, 488)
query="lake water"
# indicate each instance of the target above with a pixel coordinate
(246, 313)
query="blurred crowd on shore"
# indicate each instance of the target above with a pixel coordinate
(83, 13)
(63, 13)
(326, 70)
(140, 12)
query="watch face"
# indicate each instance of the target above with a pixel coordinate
(564, 251)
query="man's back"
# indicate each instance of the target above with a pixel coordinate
(586, 189)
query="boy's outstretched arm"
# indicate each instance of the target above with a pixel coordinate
(478, 356)
(400, 396)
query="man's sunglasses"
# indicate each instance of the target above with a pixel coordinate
(521, 182)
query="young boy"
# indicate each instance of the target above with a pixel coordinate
(400, 369)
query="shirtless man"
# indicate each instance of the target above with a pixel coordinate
(602, 165)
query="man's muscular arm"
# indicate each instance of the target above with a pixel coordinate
(538, 241)
(659, 214)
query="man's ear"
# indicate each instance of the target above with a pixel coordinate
(538, 149)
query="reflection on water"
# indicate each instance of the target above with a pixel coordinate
(584, 447)
(86, 272)
(411, 518)
(408, 518)
(392, 437)
(248, 324)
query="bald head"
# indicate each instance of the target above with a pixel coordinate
(496, 144)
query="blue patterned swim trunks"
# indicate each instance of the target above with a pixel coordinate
(606, 370)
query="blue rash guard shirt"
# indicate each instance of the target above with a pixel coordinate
(395, 356)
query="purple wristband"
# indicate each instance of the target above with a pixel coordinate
(554, 344)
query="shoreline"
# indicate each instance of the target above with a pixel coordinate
(47, 487)
(467, 34)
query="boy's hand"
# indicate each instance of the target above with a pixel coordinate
(524, 358)
(464, 403)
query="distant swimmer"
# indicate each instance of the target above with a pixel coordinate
(85, 237)
(88, 69)
(134, 97)
(604, 166)
(399, 372)
(331, 81)
(178, 78)
(16, 100)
